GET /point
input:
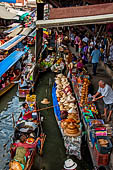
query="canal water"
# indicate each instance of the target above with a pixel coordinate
(54, 152)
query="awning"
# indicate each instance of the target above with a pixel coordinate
(13, 25)
(32, 34)
(15, 32)
(11, 43)
(11, 29)
(98, 19)
(26, 31)
(9, 61)
(4, 14)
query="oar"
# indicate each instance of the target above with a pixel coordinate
(46, 108)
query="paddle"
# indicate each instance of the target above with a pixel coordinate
(46, 108)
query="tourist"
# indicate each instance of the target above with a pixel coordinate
(84, 53)
(96, 54)
(107, 95)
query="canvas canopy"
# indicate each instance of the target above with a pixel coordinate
(9, 61)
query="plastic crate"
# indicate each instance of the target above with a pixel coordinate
(101, 159)
(104, 150)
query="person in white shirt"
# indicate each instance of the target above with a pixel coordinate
(107, 94)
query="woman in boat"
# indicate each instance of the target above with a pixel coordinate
(27, 111)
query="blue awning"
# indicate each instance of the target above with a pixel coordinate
(9, 61)
(12, 42)
(11, 29)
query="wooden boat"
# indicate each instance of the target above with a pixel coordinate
(8, 87)
(24, 92)
(38, 133)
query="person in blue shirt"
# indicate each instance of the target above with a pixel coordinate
(96, 54)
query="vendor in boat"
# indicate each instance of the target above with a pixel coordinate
(27, 111)
(22, 83)
(22, 152)
(106, 93)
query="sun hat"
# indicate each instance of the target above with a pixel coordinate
(70, 164)
(72, 110)
(45, 101)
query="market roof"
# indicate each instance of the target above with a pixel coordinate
(98, 19)
(4, 14)
(26, 31)
(11, 29)
(81, 11)
(12, 42)
(9, 61)
(15, 32)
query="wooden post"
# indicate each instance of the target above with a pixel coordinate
(39, 32)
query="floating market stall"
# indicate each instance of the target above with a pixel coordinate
(46, 63)
(30, 130)
(67, 115)
(98, 133)
(31, 38)
(5, 65)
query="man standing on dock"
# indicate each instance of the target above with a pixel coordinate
(107, 94)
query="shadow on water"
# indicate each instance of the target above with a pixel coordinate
(54, 152)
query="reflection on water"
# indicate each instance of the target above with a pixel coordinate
(6, 129)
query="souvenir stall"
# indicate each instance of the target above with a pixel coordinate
(98, 133)
(67, 115)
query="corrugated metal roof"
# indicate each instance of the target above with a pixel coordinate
(15, 32)
(81, 11)
(26, 31)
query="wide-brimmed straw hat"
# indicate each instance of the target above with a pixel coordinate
(45, 101)
(70, 164)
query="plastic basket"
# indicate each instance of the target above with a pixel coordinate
(100, 120)
(104, 150)
(101, 159)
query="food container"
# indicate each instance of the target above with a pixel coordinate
(101, 149)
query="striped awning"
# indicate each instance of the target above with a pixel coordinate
(12, 42)
(15, 32)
